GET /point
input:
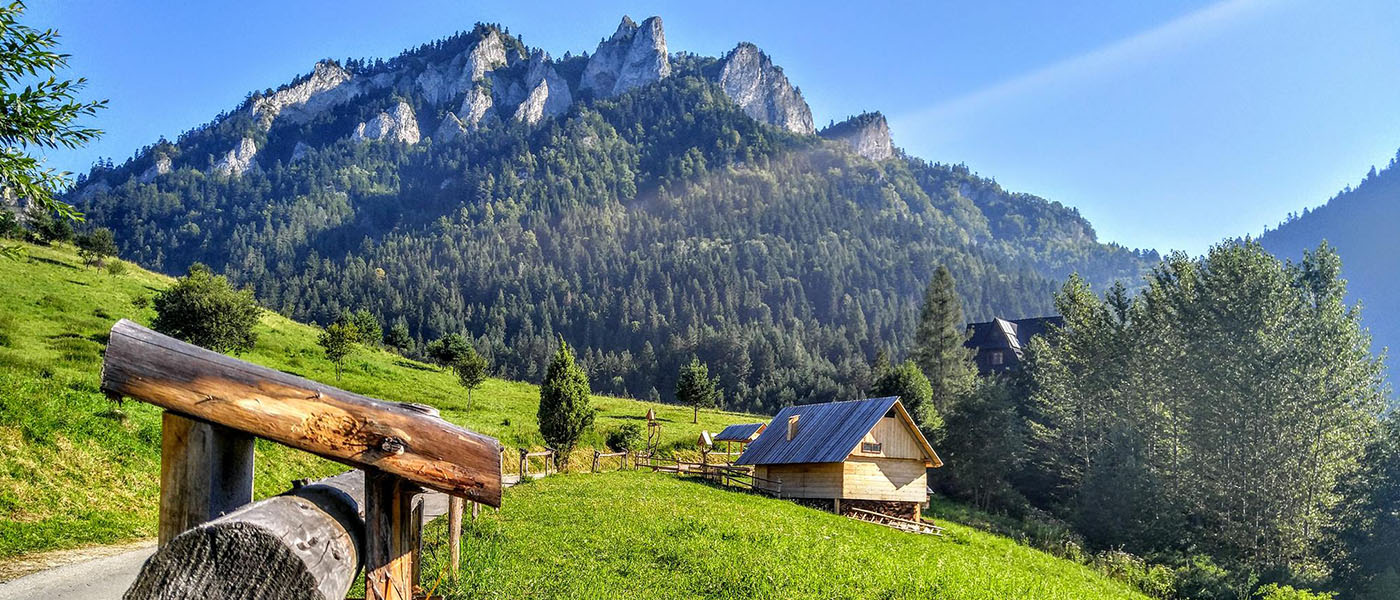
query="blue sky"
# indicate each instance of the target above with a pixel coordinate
(1170, 125)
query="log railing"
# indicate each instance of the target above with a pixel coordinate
(620, 456)
(215, 405)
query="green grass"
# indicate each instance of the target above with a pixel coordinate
(76, 469)
(645, 535)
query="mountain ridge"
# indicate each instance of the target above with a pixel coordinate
(475, 199)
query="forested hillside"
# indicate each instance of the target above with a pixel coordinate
(646, 206)
(1360, 223)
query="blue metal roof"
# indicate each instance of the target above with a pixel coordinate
(826, 433)
(738, 433)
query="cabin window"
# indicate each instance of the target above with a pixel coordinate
(792, 427)
(870, 447)
(996, 358)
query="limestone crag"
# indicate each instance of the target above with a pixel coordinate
(299, 151)
(328, 85)
(761, 89)
(476, 108)
(450, 130)
(238, 160)
(634, 56)
(442, 83)
(161, 167)
(867, 134)
(549, 94)
(398, 124)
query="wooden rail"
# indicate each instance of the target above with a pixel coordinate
(525, 455)
(216, 404)
(621, 456)
(739, 476)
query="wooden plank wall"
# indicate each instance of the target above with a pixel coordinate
(883, 479)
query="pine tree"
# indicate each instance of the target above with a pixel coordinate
(565, 413)
(938, 342)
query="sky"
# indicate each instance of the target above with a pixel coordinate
(1169, 125)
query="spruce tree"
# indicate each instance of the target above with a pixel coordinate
(565, 413)
(938, 342)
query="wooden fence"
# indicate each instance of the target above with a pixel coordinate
(216, 405)
(726, 474)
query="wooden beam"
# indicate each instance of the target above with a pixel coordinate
(339, 425)
(206, 471)
(306, 543)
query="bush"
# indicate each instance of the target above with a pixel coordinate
(116, 268)
(96, 245)
(1201, 579)
(205, 310)
(626, 438)
(1275, 591)
(1154, 580)
(448, 349)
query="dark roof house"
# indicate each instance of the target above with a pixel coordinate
(1001, 343)
(742, 432)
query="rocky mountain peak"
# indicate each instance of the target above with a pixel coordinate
(329, 85)
(634, 56)
(868, 134)
(759, 87)
(548, 94)
(397, 124)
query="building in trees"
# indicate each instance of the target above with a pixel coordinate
(865, 454)
(1001, 343)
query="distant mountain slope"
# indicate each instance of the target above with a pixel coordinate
(647, 205)
(1363, 223)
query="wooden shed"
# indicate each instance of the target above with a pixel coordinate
(866, 454)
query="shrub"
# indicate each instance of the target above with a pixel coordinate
(448, 349)
(625, 438)
(96, 245)
(1275, 591)
(116, 268)
(204, 309)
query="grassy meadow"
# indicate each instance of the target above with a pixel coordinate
(643, 535)
(77, 469)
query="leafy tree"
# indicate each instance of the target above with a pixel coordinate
(626, 438)
(1367, 527)
(47, 228)
(398, 336)
(913, 389)
(982, 445)
(471, 369)
(448, 349)
(338, 340)
(95, 246)
(43, 114)
(939, 339)
(366, 327)
(565, 411)
(696, 389)
(204, 309)
(1221, 409)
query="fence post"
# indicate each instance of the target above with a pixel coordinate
(524, 464)
(206, 471)
(391, 556)
(454, 531)
(595, 461)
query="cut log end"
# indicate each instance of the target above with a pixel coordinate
(233, 560)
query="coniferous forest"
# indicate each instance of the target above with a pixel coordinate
(646, 229)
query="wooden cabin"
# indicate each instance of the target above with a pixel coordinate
(866, 454)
